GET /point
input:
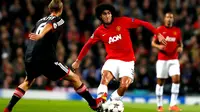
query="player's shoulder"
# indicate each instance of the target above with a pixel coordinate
(98, 29)
(176, 28)
(123, 18)
(57, 19)
(161, 27)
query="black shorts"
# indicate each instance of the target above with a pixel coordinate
(52, 70)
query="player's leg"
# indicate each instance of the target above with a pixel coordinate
(174, 72)
(126, 76)
(124, 84)
(19, 93)
(109, 69)
(175, 89)
(81, 88)
(159, 93)
(22, 88)
(103, 86)
(64, 73)
(162, 74)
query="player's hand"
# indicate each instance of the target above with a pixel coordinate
(34, 36)
(76, 64)
(161, 47)
(161, 39)
(180, 50)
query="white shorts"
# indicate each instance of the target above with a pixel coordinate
(119, 68)
(165, 67)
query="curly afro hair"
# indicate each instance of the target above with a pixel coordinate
(101, 7)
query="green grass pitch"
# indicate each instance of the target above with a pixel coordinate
(81, 106)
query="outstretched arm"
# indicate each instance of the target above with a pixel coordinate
(44, 28)
(84, 51)
(137, 23)
(156, 45)
(146, 25)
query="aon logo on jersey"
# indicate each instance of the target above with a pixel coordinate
(170, 39)
(115, 38)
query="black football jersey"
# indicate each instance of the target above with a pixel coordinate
(44, 48)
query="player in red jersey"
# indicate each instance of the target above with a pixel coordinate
(168, 61)
(120, 59)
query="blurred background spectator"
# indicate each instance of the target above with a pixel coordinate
(17, 18)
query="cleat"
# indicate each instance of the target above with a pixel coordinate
(6, 110)
(99, 102)
(104, 97)
(174, 108)
(160, 109)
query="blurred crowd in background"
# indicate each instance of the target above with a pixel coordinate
(17, 18)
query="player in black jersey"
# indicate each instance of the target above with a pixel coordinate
(40, 58)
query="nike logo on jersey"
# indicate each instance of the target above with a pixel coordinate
(114, 38)
(170, 39)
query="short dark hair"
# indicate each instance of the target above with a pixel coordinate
(55, 5)
(101, 7)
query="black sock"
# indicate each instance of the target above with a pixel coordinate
(15, 98)
(83, 91)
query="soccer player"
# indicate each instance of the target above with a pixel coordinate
(40, 58)
(120, 59)
(168, 62)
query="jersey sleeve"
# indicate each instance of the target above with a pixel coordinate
(93, 39)
(158, 30)
(155, 36)
(129, 22)
(56, 22)
(134, 23)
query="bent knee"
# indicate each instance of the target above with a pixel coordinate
(160, 81)
(106, 77)
(73, 77)
(176, 79)
(124, 86)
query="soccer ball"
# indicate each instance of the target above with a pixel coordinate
(113, 106)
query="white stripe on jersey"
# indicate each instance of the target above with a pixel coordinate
(63, 67)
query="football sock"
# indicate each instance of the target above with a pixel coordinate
(115, 96)
(83, 92)
(174, 94)
(159, 95)
(18, 94)
(101, 89)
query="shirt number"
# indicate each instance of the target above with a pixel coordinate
(40, 28)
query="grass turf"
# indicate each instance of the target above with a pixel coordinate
(79, 106)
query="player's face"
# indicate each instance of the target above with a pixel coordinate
(106, 17)
(169, 19)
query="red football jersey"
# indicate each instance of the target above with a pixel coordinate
(173, 37)
(116, 38)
